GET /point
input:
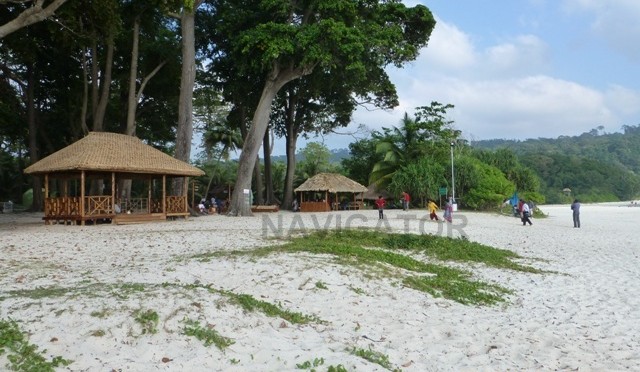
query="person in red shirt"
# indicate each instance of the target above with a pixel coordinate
(380, 202)
(405, 201)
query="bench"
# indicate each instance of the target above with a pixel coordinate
(265, 208)
(355, 205)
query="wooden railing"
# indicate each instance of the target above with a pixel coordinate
(64, 206)
(176, 205)
(98, 205)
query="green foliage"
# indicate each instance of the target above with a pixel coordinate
(208, 335)
(314, 159)
(357, 247)
(23, 356)
(250, 304)
(373, 357)
(596, 166)
(479, 185)
(420, 179)
(338, 368)
(316, 362)
(363, 157)
(427, 136)
(148, 320)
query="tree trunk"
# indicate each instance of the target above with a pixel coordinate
(291, 138)
(133, 75)
(268, 176)
(85, 95)
(36, 183)
(105, 86)
(276, 80)
(35, 13)
(184, 131)
(257, 182)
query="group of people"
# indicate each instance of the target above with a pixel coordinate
(525, 209)
(431, 206)
(212, 205)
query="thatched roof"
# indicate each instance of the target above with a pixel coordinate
(112, 152)
(372, 193)
(331, 182)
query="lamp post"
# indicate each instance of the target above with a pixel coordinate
(453, 179)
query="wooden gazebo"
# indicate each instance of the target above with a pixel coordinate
(112, 177)
(320, 193)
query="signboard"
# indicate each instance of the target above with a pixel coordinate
(442, 191)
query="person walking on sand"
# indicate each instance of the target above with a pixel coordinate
(380, 202)
(448, 211)
(575, 207)
(526, 212)
(432, 207)
(405, 200)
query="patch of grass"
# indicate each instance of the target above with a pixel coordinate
(100, 314)
(382, 251)
(459, 250)
(321, 285)
(148, 319)
(316, 362)
(98, 333)
(338, 368)
(23, 356)
(251, 304)
(373, 357)
(208, 336)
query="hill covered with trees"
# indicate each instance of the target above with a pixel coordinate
(595, 166)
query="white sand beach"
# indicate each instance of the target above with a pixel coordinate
(585, 315)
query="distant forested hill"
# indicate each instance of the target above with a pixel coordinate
(595, 166)
(336, 156)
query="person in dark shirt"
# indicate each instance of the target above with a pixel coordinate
(575, 207)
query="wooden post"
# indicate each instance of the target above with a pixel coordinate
(82, 179)
(164, 195)
(149, 195)
(113, 193)
(185, 187)
(46, 196)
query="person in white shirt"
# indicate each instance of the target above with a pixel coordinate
(526, 212)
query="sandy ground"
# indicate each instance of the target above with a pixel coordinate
(584, 317)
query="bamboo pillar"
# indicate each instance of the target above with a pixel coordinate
(149, 195)
(185, 187)
(46, 196)
(113, 192)
(82, 179)
(164, 195)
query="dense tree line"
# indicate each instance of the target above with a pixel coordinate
(595, 166)
(239, 72)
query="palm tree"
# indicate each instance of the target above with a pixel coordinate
(398, 145)
(220, 140)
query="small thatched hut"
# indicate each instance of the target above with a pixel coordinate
(320, 193)
(113, 177)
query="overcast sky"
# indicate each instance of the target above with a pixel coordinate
(519, 69)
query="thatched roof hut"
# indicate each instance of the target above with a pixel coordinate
(93, 180)
(112, 152)
(328, 183)
(331, 182)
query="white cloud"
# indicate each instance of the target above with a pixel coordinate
(522, 54)
(625, 101)
(449, 48)
(615, 21)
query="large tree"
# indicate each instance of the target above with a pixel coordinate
(283, 41)
(27, 13)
